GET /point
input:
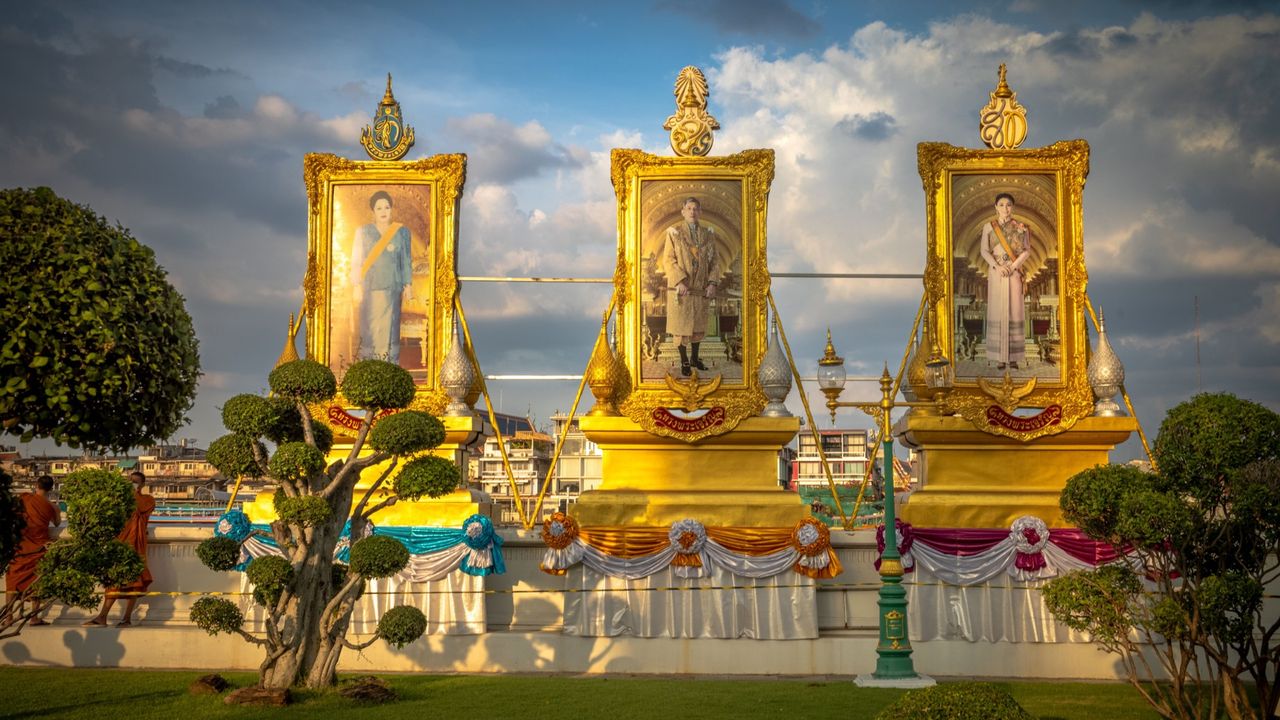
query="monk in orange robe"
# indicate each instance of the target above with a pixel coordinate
(40, 515)
(135, 536)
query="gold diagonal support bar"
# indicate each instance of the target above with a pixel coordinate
(813, 426)
(493, 418)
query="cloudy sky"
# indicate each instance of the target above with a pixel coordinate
(188, 123)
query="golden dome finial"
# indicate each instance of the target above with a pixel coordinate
(389, 99)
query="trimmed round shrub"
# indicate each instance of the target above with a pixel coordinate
(269, 575)
(295, 461)
(247, 414)
(99, 503)
(1092, 498)
(1207, 439)
(1151, 520)
(98, 347)
(307, 510)
(305, 380)
(219, 553)
(233, 456)
(378, 384)
(400, 626)
(378, 556)
(428, 475)
(406, 432)
(216, 615)
(287, 426)
(956, 701)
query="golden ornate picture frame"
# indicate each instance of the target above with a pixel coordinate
(1009, 353)
(732, 194)
(423, 196)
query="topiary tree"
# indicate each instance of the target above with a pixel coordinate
(1205, 530)
(99, 503)
(307, 596)
(98, 349)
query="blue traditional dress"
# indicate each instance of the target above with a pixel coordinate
(382, 271)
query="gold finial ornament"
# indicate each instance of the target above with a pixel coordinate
(691, 126)
(290, 351)
(388, 138)
(1002, 124)
(606, 376)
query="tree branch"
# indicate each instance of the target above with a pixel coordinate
(395, 461)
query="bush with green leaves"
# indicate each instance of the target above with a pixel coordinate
(295, 462)
(378, 385)
(1204, 530)
(236, 456)
(400, 626)
(216, 615)
(405, 433)
(956, 701)
(98, 349)
(305, 511)
(315, 497)
(270, 575)
(304, 381)
(428, 476)
(378, 556)
(219, 553)
(99, 503)
(251, 415)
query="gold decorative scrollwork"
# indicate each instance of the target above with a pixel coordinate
(1064, 165)
(1002, 124)
(691, 126)
(387, 138)
(445, 176)
(738, 400)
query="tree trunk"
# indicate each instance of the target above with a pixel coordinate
(310, 659)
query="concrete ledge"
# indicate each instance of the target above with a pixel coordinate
(848, 654)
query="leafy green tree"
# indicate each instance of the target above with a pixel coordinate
(98, 349)
(1206, 530)
(99, 503)
(308, 598)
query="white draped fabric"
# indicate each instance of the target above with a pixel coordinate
(714, 556)
(996, 609)
(662, 603)
(452, 600)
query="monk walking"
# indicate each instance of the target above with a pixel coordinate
(135, 536)
(40, 515)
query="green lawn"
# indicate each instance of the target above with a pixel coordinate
(135, 694)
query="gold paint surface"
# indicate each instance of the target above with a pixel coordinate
(446, 511)
(972, 479)
(1067, 165)
(442, 177)
(724, 480)
(753, 171)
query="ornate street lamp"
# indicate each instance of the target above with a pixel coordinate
(893, 662)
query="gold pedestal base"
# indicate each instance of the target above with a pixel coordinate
(727, 480)
(446, 511)
(972, 479)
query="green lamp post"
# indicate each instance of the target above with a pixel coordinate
(894, 667)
